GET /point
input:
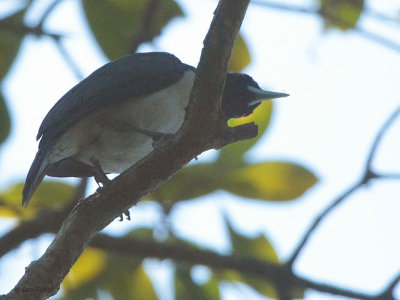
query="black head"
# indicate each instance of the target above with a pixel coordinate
(242, 95)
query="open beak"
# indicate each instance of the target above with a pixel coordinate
(260, 95)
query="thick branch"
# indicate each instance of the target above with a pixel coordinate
(194, 256)
(201, 131)
(261, 269)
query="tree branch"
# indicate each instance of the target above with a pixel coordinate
(45, 221)
(203, 129)
(261, 269)
(314, 10)
(366, 177)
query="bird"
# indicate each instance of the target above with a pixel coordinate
(109, 121)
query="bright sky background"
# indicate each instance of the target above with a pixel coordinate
(342, 88)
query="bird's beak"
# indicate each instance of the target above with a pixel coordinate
(260, 95)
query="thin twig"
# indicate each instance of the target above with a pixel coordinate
(68, 59)
(367, 176)
(379, 136)
(47, 12)
(319, 219)
(39, 32)
(316, 11)
(24, 29)
(381, 16)
(387, 294)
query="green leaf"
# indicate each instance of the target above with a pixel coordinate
(233, 153)
(89, 265)
(5, 122)
(121, 26)
(141, 232)
(186, 288)
(341, 14)
(240, 57)
(278, 181)
(141, 287)
(50, 194)
(258, 247)
(10, 40)
(122, 270)
(190, 182)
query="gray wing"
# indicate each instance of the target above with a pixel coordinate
(128, 77)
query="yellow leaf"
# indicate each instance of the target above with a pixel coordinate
(50, 194)
(141, 287)
(240, 57)
(258, 247)
(341, 14)
(270, 181)
(89, 265)
(190, 182)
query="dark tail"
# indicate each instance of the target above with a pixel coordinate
(35, 176)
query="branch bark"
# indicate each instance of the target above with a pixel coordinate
(204, 128)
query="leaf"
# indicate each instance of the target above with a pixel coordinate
(5, 122)
(258, 247)
(50, 194)
(121, 270)
(141, 232)
(186, 288)
(190, 182)
(10, 40)
(141, 287)
(342, 14)
(278, 181)
(126, 273)
(121, 26)
(89, 265)
(233, 153)
(240, 57)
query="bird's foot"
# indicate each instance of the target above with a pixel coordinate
(100, 176)
(125, 213)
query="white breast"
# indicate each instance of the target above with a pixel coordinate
(107, 134)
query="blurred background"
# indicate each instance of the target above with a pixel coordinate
(339, 61)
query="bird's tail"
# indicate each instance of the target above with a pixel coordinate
(35, 176)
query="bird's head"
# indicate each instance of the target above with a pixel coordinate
(242, 95)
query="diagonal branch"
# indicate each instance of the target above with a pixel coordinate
(203, 129)
(384, 128)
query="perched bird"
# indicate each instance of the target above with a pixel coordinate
(109, 119)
